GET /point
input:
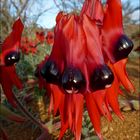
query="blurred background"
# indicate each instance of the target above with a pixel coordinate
(42, 13)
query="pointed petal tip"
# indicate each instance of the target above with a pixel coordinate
(109, 118)
(99, 135)
(132, 91)
(119, 114)
(18, 22)
(122, 118)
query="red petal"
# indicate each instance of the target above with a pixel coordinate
(79, 102)
(14, 38)
(120, 70)
(71, 110)
(112, 100)
(63, 117)
(99, 97)
(93, 113)
(112, 96)
(93, 42)
(7, 88)
(7, 83)
(11, 71)
(68, 110)
(111, 21)
(93, 9)
(50, 105)
(59, 16)
(64, 127)
(112, 26)
(57, 97)
(9, 79)
(12, 42)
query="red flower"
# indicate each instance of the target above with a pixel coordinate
(40, 36)
(24, 45)
(50, 38)
(28, 46)
(33, 46)
(11, 44)
(10, 55)
(82, 66)
(116, 44)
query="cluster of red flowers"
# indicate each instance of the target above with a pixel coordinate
(50, 38)
(87, 63)
(30, 45)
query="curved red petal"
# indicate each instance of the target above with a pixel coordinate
(93, 9)
(93, 113)
(50, 105)
(13, 40)
(112, 96)
(112, 27)
(63, 117)
(93, 42)
(120, 70)
(57, 97)
(64, 127)
(78, 104)
(7, 88)
(99, 98)
(111, 21)
(8, 80)
(11, 71)
(71, 110)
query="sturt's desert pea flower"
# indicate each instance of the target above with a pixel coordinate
(40, 36)
(84, 65)
(29, 45)
(116, 44)
(50, 38)
(9, 57)
(24, 45)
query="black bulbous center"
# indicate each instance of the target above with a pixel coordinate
(101, 78)
(123, 47)
(12, 58)
(72, 80)
(50, 72)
